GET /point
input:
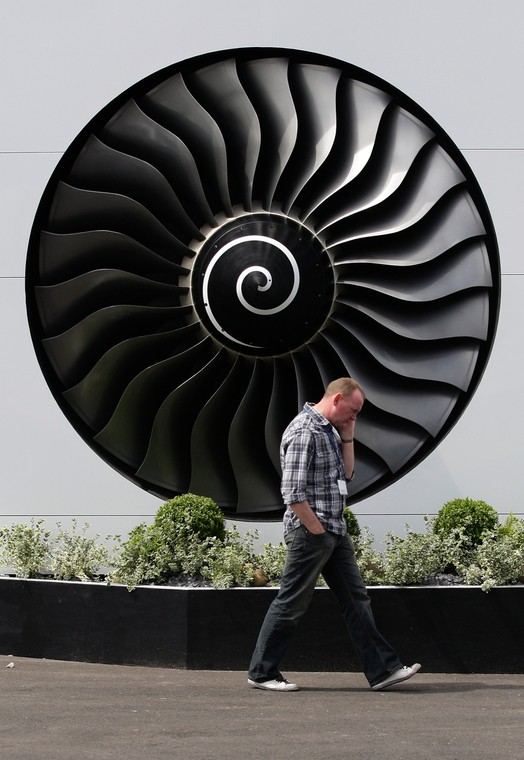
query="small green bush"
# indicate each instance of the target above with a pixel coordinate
(413, 558)
(497, 560)
(352, 525)
(182, 541)
(271, 561)
(512, 528)
(467, 520)
(147, 556)
(369, 560)
(190, 515)
(76, 555)
(141, 558)
(25, 548)
(230, 562)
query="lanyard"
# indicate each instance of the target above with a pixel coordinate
(337, 450)
(329, 433)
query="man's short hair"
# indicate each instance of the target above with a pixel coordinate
(343, 385)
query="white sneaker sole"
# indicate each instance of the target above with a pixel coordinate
(386, 683)
(265, 686)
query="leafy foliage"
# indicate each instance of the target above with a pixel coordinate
(181, 541)
(230, 562)
(411, 559)
(76, 555)
(466, 519)
(190, 515)
(271, 562)
(369, 560)
(499, 558)
(143, 558)
(25, 548)
(187, 541)
(352, 525)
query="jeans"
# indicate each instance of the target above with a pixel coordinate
(308, 556)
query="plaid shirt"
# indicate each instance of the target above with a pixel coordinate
(312, 464)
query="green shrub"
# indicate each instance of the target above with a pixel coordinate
(230, 562)
(25, 548)
(182, 540)
(467, 520)
(190, 515)
(514, 528)
(76, 555)
(413, 558)
(271, 562)
(352, 525)
(369, 560)
(497, 560)
(143, 558)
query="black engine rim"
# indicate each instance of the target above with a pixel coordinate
(284, 160)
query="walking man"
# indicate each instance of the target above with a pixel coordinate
(317, 458)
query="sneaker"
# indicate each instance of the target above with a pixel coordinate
(275, 684)
(402, 674)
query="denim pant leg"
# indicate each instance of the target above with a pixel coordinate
(306, 556)
(342, 575)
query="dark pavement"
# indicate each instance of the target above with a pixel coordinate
(54, 710)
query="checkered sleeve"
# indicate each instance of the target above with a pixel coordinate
(297, 455)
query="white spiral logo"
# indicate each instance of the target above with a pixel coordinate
(249, 270)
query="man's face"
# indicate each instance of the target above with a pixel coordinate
(346, 408)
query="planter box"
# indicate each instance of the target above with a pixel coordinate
(456, 629)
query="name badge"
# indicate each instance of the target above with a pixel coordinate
(342, 487)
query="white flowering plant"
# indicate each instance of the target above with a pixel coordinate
(25, 547)
(77, 556)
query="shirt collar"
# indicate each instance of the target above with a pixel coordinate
(310, 409)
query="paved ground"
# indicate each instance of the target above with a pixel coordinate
(74, 711)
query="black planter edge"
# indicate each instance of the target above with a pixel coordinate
(449, 629)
